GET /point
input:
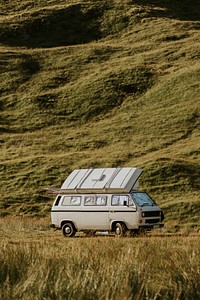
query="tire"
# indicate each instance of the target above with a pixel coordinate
(68, 230)
(120, 229)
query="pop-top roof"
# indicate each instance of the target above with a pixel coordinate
(112, 180)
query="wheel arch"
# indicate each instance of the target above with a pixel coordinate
(63, 222)
(113, 225)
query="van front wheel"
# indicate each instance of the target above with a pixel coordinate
(120, 229)
(68, 230)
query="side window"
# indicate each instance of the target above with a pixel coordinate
(71, 200)
(75, 200)
(115, 200)
(89, 200)
(119, 200)
(66, 200)
(101, 200)
(57, 200)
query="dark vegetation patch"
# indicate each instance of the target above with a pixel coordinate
(173, 38)
(134, 81)
(188, 10)
(1, 106)
(18, 68)
(46, 101)
(72, 25)
(69, 26)
(29, 66)
(193, 120)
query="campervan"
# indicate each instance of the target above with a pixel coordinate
(106, 199)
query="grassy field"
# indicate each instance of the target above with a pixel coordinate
(37, 263)
(100, 84)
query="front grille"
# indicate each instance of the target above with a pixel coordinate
(151, 221)
(151, 214)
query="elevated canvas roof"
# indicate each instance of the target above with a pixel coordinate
(102, 180)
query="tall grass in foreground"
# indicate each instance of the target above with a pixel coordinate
(100, 268)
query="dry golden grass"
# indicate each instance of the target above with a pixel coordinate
(36, 263)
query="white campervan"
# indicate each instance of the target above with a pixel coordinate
(107, 199)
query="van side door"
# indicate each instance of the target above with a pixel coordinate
(95, 212)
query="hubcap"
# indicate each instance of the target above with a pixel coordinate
(67, 230)
(117, 230)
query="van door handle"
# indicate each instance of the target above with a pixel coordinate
(112, 211)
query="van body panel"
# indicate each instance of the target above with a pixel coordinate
(101, 217)
(63, 216)
(95, 220)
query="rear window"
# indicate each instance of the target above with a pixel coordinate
(71, 201)
(101, 200)
(89, 200)
(95, 200)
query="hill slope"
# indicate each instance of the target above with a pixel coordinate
(100, 84)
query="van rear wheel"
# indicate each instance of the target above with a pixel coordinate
(120, 229)
(68, 230)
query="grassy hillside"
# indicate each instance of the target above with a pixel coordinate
(100, 84)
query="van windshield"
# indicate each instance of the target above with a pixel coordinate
(142, 199)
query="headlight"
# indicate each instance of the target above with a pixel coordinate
(143, 214)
